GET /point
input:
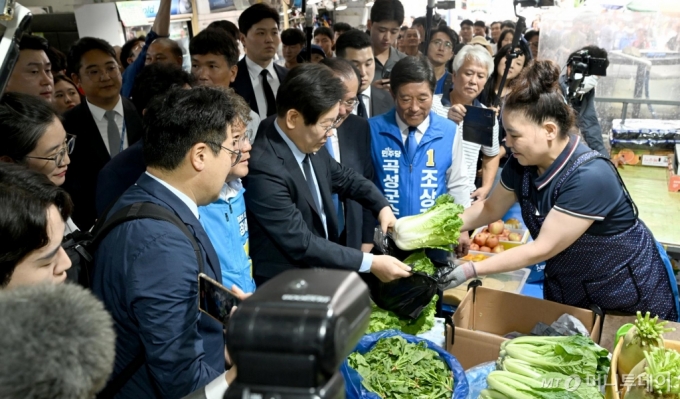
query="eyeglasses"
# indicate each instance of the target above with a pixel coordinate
(58, 158)
(335, 124)
(231, 152)
(351, 103)
(96, 73)
(243, 139)
(440, 42)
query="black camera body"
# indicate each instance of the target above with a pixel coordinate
(587, 65)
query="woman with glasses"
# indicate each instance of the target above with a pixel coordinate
(440, 52)
(31, 134)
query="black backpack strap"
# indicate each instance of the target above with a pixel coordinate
(139, 210)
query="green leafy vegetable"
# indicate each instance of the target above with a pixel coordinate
(438, 227)
(575, 355)
(645, 334)
(420, 262)
(397, 369)
(549, 386)
(661, 375)
(385, 320)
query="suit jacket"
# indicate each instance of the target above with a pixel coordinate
(354, 138)
(146, 274)
(381, 102)
(244, 87)
(89, 157)
(285, 229)
(118, 175)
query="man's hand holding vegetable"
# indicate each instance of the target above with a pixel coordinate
(385, 267)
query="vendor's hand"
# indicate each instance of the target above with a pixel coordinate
(457, 113)
(382, 84)
(386, 219)
(463, 244)
(480, 194)
(388, 268)
(448, 278)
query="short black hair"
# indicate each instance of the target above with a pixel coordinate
(480, 24)
(324, 31)
(176, 121)
(387, 10)
(495, 22)
(412, 70)
(530, 35)
(175, 48)
(594, 52)
(508, 24)
(341, 27)
(293, 36)
(127, 49)
(447, 31)
(82, 46)
(33, 42)
(155, 80)
(256, 13)
(227, 26)
(215, 41)
(25, 196)
(57, 59)
(466, 22)
(420, 21)
(343, 67)
(355, 39)
(23, 121)
(310, 89)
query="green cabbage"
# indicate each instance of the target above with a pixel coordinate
(420, 263)
(382, 319)
(438, 227)
(504, 384)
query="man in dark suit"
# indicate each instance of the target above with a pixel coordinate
(146, 270)
(291, 215)
(124, 170)
(355, 46)
(351, 147)
(105, 123)
(258, 77)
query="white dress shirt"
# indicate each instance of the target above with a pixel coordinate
(183, 197)
(254, 71)
(335, 142)
(103, 124)
(456, 175)
(470, 149)
(253, 125)
(299, 157)
(365, 96)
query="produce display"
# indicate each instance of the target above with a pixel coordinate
(489, 239)
(660, 371)
(438, 227)
(475, 257)
(644, 335)
(397, 369)
(382, 319)
(526, 363)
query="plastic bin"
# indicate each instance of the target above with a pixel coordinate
(509, 282)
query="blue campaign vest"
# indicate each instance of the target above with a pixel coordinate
(411, 189)
(227, 227)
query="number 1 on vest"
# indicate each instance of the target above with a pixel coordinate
(430, 158)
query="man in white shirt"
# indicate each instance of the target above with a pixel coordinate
(105, 123)
(355, 46)
(258, 77)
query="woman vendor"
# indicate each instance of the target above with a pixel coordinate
(584, 223)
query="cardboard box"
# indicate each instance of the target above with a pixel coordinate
(486, 315)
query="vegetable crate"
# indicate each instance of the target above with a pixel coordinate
(524, 233)
(615, 388)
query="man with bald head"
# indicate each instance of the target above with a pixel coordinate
(164, 50)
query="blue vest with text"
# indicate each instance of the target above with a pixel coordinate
(411, 188)
(226, 225)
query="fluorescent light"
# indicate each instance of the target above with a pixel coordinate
(340, 8)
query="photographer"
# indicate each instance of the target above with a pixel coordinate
(584, 101)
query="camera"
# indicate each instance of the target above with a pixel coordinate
(585, 64)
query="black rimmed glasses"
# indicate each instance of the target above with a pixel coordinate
(231, 152)
(439, 42)
(58, 158)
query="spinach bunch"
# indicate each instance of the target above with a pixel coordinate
(397, 369)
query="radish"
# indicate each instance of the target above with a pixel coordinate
(656, 376)
(645, 334)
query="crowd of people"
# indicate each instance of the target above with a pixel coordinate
(270, 164)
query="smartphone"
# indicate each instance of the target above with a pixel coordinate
(386, 73)
(215, 300)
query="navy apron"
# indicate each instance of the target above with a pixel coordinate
(624, 272)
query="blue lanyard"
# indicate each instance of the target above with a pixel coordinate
(122, 138)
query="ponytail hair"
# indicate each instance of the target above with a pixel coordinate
(536, 92)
